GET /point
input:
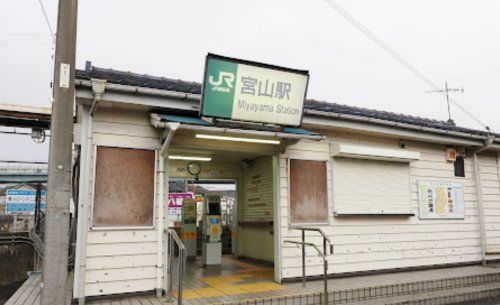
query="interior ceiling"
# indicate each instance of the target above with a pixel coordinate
(184, 143)
(216, 155)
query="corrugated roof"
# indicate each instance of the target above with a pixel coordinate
(148, 81)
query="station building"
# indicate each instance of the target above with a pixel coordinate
(391, 191)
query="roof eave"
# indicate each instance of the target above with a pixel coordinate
(407, 130)
(462, 138)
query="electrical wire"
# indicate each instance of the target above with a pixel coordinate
(24, 35)
(47, 21)
(400, 59)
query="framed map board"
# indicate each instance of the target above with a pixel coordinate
(441, 200)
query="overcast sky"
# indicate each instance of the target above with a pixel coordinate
(448, 40)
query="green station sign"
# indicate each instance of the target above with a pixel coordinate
(253, 92)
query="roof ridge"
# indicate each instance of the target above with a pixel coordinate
(380, 111)
(162, 78)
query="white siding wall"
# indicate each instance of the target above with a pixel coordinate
(383, 242)
(121, 260)
(490, 182)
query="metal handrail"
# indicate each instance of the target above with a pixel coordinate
(173, 237)
(326, 239)
(306, 244)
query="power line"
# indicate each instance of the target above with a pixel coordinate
(24, 35)
(21, 44)
(401, 60)
(47, 21)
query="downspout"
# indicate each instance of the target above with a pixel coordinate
(162, 200)
(479, 192)
(98, 87)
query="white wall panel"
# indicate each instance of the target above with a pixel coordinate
(386, 242)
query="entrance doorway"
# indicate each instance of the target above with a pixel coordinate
(198, 189)
(247, 194)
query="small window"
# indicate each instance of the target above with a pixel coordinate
(459, 167)
(124, 187)
(308, 192)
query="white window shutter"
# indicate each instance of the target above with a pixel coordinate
(365, 187)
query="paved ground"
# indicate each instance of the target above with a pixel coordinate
(236, 280)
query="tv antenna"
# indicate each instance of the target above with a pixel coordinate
(447, 91)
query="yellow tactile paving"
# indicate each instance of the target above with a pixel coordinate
(235, 284)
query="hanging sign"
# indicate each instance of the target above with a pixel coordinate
(254, 92)
(175, 199)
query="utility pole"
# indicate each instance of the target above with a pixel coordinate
(446, 91)
(55, 262)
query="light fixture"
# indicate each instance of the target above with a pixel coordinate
(191, 158)
(225, 138)
(38, 135)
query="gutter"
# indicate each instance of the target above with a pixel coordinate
(141, 90)
(197, 97)
(358, 118)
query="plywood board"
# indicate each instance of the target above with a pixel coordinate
(124, 187)
(308, 191)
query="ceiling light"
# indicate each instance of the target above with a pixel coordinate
(249, 140)
(192, 158)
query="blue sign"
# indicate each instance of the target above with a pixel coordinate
(23, 201)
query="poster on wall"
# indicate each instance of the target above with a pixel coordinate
(441, 200)
(175, 201)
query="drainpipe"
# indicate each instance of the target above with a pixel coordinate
(98, 87)
(162, 200)
(479, 192)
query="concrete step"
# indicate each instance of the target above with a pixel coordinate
(411, 288)
(426, 292)
(441, 297)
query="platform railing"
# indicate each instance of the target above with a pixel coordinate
(323, 254)
(172, 241)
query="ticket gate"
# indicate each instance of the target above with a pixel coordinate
(211, 249)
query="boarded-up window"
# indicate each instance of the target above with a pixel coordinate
(124, 187)
(308, 191)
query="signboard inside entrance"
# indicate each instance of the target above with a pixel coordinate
(248, 91)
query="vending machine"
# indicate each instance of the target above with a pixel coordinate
(211, 249)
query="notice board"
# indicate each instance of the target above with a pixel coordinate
(441, 200)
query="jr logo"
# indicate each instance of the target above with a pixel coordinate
(224, 77)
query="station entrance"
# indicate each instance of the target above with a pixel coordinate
(229, 237)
